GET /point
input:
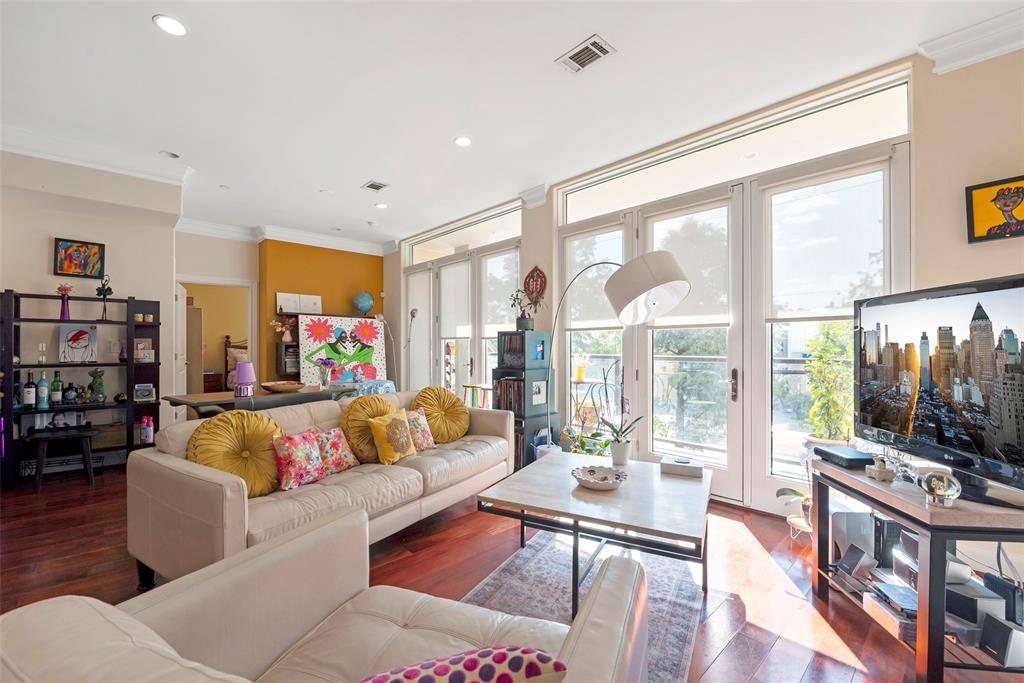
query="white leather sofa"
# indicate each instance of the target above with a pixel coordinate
(298, 609)
(183, 516)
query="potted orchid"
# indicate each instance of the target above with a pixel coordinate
(326, 367)
(528, 307)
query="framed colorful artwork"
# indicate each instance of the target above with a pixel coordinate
(76, 343)
(356, 345)
(74, 258)
(994, 210)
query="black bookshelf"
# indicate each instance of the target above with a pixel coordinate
(520, 384)
(11, 324)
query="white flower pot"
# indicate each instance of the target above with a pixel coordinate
(621, 453)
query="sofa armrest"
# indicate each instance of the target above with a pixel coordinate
(240, 614)
(183, 516)
(487, 422)
(608, 639)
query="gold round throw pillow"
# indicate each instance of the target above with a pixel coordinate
(446, 414)
(239, 442)
(356, 424)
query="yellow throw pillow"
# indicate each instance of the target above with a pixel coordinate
(446, 414)
(239, 442)
(392, 437)
(356, 424)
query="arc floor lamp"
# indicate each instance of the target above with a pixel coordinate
(639, 290)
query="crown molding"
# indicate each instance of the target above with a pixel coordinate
(221, 230)
(534, 196)
(65, 150)
(317, 239)
(990, 38)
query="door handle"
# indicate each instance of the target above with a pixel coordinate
(734, 384)
(470, 364)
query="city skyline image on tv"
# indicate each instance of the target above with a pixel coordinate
(947, 371)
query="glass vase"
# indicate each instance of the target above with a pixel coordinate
(65, 307)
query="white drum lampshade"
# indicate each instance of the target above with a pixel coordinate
(649, 285)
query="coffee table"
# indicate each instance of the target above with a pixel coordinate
(660, 514)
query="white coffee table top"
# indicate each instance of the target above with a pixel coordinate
(647, 503)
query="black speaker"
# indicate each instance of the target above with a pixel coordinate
(1011, 593)
(887, 536)
(971, 601)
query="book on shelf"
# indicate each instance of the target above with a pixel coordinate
(898, 625)
(508, 394)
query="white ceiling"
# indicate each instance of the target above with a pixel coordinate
(280, 99)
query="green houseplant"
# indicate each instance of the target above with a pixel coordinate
(621, 446)
(527, 306)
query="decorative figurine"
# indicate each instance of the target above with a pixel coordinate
(942, 488)
(122, 357)
(97, 391)
(65, 306)
(104, 291)
(121, 397)
(879, 471)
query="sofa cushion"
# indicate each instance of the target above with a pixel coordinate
(75, 638)
(239, 442)
(446, 414)
(335, 453)
(498, 663)
(298, 459)
(449, 463)
(391, 437)
(419, 429)
(373, 487)
(384, 627)
(356, 423)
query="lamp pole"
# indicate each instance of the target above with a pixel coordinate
(554, 331)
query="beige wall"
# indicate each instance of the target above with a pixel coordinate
(134, 218)
(202, 256)
(967, 128)
(393, 314)
(225, 312)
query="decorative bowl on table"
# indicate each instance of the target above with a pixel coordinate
(283, 387)
(599, 478)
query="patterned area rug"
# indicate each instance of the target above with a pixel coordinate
(535, 582)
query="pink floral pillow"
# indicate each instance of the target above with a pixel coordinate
(298, 459)
(335, 452)
(498, 664)
(422, 439)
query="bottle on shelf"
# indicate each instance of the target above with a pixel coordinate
(28, 393)
(42, 353)
(146, 430)
(56, 389)
(43, 392)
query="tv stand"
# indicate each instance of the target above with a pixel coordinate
(938, 529)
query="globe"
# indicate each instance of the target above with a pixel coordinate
(363, 302)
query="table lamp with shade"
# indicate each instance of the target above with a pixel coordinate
(643, 287)
(245, 380)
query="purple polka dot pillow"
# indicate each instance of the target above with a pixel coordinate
(498, 664)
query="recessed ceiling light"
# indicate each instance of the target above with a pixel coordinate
(169, 155)
(463, 141)
(381, 205)
(169, 25)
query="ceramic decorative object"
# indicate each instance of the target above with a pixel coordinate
(283, 387)
(599, 478)
(621, 452)
(942, 488)
(879, 471)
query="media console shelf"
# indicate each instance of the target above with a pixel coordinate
(938, 531)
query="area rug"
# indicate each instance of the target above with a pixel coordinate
(536, 582)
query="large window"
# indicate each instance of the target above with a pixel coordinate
(827, 249)
(593, 334)
(789, 139)
(471, 233)
(499, 275)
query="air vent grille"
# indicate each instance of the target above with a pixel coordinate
(586, 53)
(374, 185)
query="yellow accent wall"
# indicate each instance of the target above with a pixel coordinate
(337, 276)
(225, 311)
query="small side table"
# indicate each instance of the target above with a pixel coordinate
(43, 439)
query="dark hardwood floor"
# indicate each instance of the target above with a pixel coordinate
(764, 625)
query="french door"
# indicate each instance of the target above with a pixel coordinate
(461, 303)
(775, 263)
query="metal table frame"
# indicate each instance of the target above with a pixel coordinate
(604, 536)
(933, 543)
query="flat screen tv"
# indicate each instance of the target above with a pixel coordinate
(939, 374)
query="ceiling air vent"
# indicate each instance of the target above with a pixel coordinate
(374, 185)
(586, 53)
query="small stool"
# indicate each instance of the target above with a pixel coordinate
(477, 395)
(43, 439)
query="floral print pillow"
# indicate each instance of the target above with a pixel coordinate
(335, 452)
(498, 664)
(298, 459)
(422, 439)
